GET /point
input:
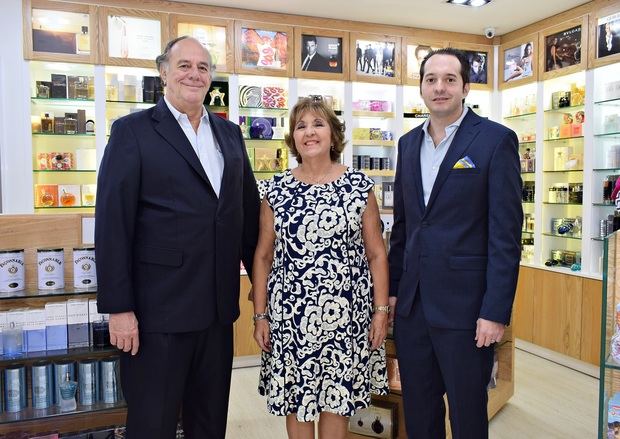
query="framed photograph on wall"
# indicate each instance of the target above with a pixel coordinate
(604, 37)
(263, 49)
(375, 58)
(379, 420)
(132, 38)
(414, 52)
(60, 31)
(563, 49)
(214, 34)
(321, 54)
(480, 58)
(518, 62)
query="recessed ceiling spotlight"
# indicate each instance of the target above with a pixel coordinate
(472, 3)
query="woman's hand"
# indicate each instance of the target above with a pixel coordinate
(261, 334)
(378, 329)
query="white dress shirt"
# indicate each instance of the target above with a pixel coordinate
(432, 156)
(204, 143)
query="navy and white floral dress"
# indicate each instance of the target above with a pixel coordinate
(320, 300)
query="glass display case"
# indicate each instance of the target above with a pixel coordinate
(563, 176)
(263, 119)
(63, 136)
(609, 390)
(519, 114)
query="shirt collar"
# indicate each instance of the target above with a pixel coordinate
(455, 124)
(177, 114)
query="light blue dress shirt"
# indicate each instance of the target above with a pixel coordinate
(432, 156)
(204, 143)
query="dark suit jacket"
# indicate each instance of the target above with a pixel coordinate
(463, 249)
(318, 63)
(166, 247)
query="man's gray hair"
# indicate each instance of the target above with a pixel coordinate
(162, 60)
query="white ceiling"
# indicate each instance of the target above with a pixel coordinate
(504, 15)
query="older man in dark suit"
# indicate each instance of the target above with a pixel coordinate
(455, 252)
(177, 209)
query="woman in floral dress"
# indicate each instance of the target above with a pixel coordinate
(320, 283)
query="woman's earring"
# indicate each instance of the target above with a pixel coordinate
(333, 148)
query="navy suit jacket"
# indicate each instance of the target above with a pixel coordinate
(167, 248)
(462, 250)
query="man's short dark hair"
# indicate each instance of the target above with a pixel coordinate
(311, 38)
(459, 54)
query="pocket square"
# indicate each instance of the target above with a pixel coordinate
(464, 163)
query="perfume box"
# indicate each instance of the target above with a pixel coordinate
(77, 323)
(375, 134)
(34, 330)
(89, 194)
(2, 327)
(59, 86)
(266, 159)
(43, 89)
(56, 325)
(94, 316)
(71, 82)
(46, 195)
(86, 159)
(81, 121)
(69, 195)
(361, 133)
(60, 161)
(576, 129)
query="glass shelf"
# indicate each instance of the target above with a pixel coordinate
(263, 108)
(528, 172)
(597, 238)
(553, 235)
(563, 138)
(60, 101)
(30, 414)
(614, 134)
(37, 294)
(31, 357)
(563, 204)
(379, 172)
(606, 169)
(604, 204)
(527, 232)
(70, 135)
(529, 142)
(415, 115)
(521, 116)
(613, 102)
(567, 170)
(58, 171)
(610, 363)
(527, 202)
(131, 102)
(263, 140)
(64, 207)
(380, 114)
(563, 109)
(357, 142)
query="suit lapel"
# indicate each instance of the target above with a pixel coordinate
(171, 131)
(417, 168)
(462, 139)
(222, 140)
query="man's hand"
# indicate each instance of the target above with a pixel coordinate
(124, 332)
(488, 332)
(392, 302)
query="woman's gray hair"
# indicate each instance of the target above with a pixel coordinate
(162, 60)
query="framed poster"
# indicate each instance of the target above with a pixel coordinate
(563, 49)
(414, 52)
(263, 49)
(518, 62)
(213, 33)
(60, 31)
(375, 58)
(480, 58)
(604, 37)
(132, 38)
(379, 420)
(321, 54)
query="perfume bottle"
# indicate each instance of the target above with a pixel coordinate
(70, 123)
(12, 339)
(83, 42)
(67, 394)
(67, 199)
(47, 123)
(81, 88)
(111, 88)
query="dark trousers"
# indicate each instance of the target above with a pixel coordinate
(190, 370)
(434, 361)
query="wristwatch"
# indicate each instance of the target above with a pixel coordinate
(382, 308)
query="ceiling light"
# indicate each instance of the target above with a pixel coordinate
(472, 3)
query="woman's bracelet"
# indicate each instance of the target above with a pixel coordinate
(382, 308)
(260, 316)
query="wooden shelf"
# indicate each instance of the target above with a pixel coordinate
(380, 114)
(360, 142)
(99, 417)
